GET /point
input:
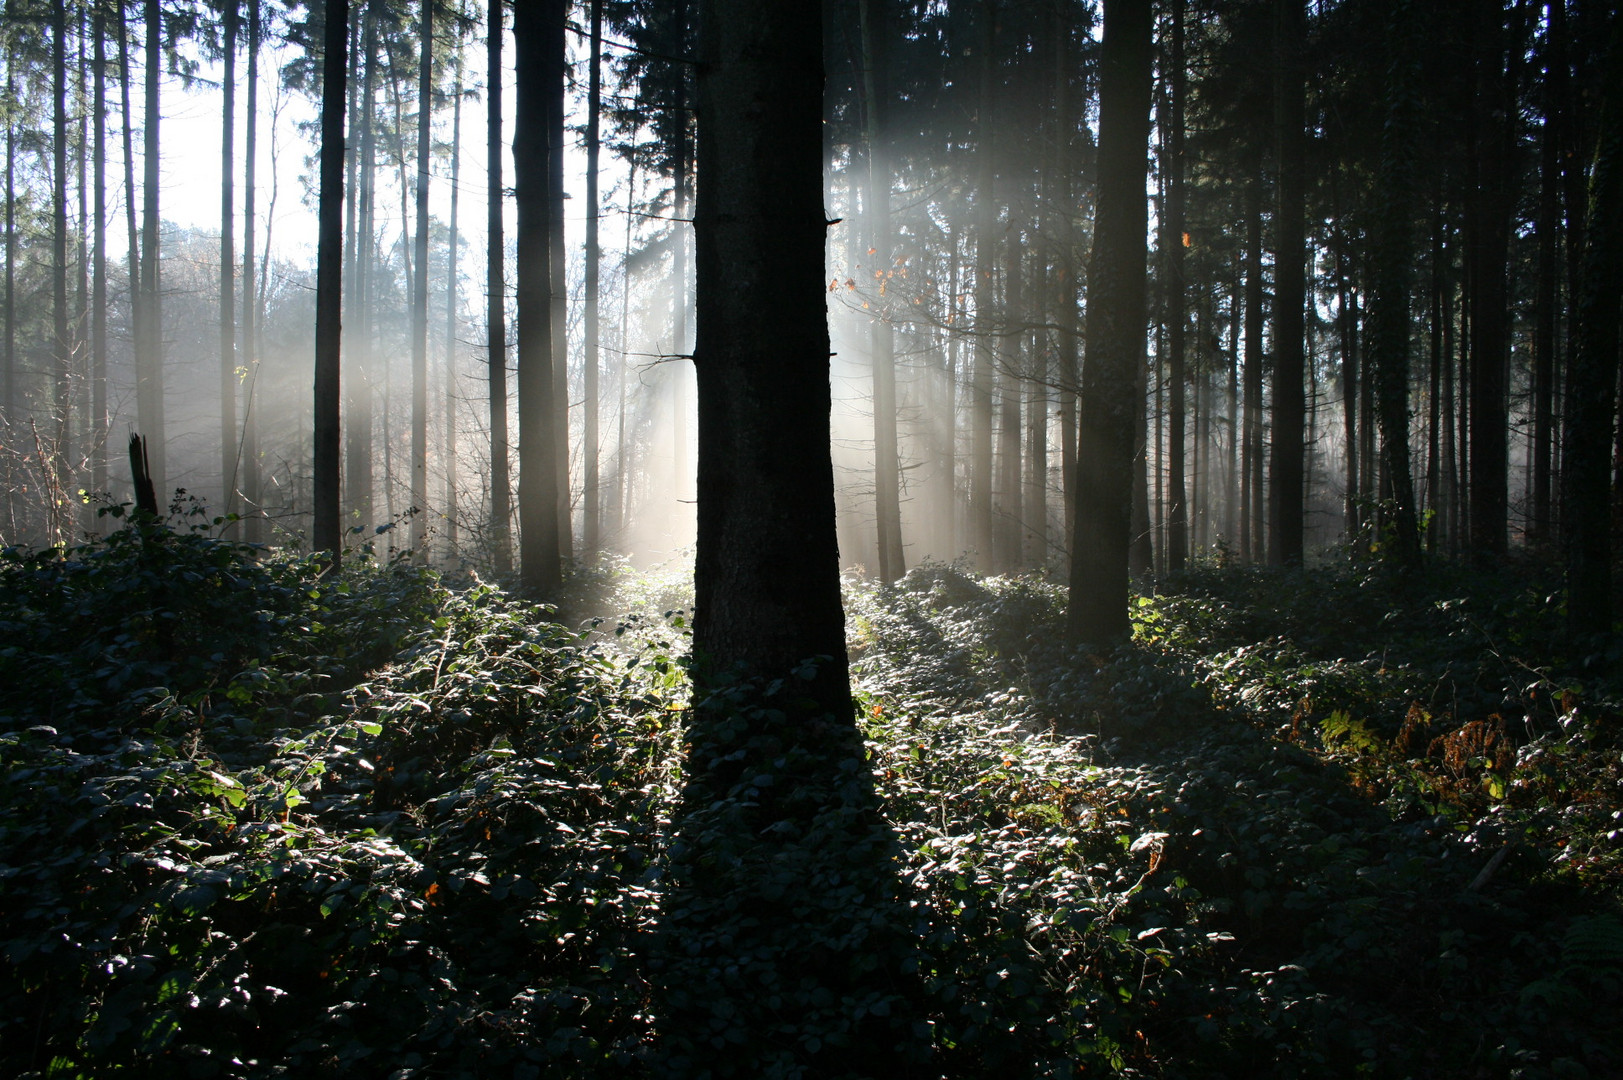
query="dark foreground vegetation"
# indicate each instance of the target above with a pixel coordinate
(1309, 823)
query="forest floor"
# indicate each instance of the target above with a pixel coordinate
(1308, 823)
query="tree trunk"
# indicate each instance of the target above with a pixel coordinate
(558, 264)
(61, 345)
(252, 499)
(591, 452)
(887, 472)
(419, 297)
(228, 272)
(501, 508)
(1388, 338)
(1547, 273)
(1114, 332)
(99, 421)
(449, 455)
(137, 309)
(327, 535)
(1290, 270)
(358, 431)
(1591, 383)
(535, 84)
(1177, 316)
(776, 797)
(1251, 537)
(1010, 513)
(980, 389)
(149, 345)
(1490, 212)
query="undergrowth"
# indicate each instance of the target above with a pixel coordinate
(257, 822)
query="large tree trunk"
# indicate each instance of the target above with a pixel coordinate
(327, 533)
(253, 511)
(419, 283)
(778, 817)
(1286, 504)
(1591, 383)
(228, 271)
(592, 516)
(1388, 338)
(149, 327)
(534, 76)
(1490, 212)
(887, 471)
(501, 507)
(1114, 331)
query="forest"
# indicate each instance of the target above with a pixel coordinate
(878, 538)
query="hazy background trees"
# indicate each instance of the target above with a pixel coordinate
(1365, 235)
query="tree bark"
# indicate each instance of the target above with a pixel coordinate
(1290, 270)
(1490, 213)
(149, 404)
(252, 499)
(981, 536)
(534, 76)
(1389, 324)
(1591, 393)
(1115, 331)
(592, 516)
(61, 344)
(1177, 316)
(557, 77)
(327, 535)
(450, 453)
(778, 817)
(501, 508)
(887, 472)
(228, 272)
(419, 297)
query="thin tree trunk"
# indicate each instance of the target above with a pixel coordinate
(137, 305)
(501, 509)
(1545, 304)
(358, 430)
(419, 297)
(1251, 536)
(535, 84)
(1115, 328)
(252, 499)
(1177, 317)
(1007, 542)
(149, 348)
(591, 451)
(450, 451)
(887, 474)
(558, 272)
(61, 345)
(327, 534)
(1290, 270)
(98, 287)
(228, 273)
